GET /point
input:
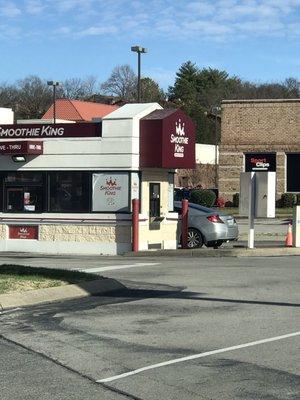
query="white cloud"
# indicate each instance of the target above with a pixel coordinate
(9, 9)
(207, 28)
(8, 32)
(63, 30)
(69, 5)
(201, 7)
(34, 7)
(98, 31)
(261, 28)
(294, 29)
(218, 20)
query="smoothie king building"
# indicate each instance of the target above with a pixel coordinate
(68, 187)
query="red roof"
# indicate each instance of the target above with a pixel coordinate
(77, 110)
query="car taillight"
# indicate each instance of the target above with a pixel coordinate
(215, 218)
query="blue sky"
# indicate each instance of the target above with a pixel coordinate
(257, 40)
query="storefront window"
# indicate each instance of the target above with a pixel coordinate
(66, 192)
(24, 192)
(292, 175)
(20, 178)
(69, 191)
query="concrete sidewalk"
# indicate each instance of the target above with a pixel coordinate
(263, 247)
(59, 293)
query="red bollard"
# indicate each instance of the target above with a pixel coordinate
(184, 223)
(135, 224)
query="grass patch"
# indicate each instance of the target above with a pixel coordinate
(17, 278)
(284, 212)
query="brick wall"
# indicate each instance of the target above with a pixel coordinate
(256, 126)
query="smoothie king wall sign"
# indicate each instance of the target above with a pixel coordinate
(178, 139)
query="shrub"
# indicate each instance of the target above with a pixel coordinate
(220, 202)
(236, 200)
(287, 200)
(203, 197)
(178, 194)
(229, 204)
(278, 203)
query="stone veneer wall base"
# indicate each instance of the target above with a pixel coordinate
(60, 248)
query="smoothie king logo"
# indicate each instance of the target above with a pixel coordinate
(41, 131)
(179, 139)
(111, 183)
(23, 233)
(111, 187)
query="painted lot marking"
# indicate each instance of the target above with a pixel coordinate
(10, 310)
(114, 267)
(195, 356)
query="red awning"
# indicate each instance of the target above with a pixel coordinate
(23, 147)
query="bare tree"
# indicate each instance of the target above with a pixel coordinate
(203, 175)
(122, 83)
(292, 86)
(34, 97)
(77, 88)
(8, 96)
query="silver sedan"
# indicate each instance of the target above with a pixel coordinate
(207, 226)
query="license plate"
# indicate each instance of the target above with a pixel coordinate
(230, 222)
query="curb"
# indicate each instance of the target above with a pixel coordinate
(67, 292)
(236, 252)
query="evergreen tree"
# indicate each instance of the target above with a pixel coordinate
(186, 94)
(151, 92)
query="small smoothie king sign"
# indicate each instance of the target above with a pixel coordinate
(23, 232)
(110, 192)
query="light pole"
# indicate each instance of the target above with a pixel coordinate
(215, 110)
(54, 84)
(139, 50)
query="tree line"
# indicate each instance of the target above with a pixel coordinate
(197, 91)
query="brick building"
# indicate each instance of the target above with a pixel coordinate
(260, 135)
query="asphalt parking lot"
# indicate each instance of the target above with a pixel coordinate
(213, 328)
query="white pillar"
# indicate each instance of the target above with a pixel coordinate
(251, 211)
(296, 226)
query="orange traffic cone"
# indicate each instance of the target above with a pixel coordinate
(289, 237)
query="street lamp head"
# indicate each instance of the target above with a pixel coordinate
(53, 83)
(139, 49)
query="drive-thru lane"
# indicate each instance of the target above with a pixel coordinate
(178, 309)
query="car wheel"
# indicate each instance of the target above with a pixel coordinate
(195, 239)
